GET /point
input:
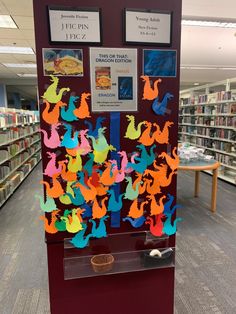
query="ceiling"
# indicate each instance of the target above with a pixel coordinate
(201, 47)
(208, 47)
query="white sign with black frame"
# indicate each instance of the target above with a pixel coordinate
(69, 24)
(147, 27)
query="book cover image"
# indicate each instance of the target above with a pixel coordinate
(125, 87)
(63, 62)
(159, 63)
(103, 78)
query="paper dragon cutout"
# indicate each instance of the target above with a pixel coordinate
(160, 108)
(149, 92)
(51, 94)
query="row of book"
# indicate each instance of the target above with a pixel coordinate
(218, 133)
(217, 121)
(225, 121)
(225, 159)
(185, 138)
(15, 132)
(205, 121)
(208, 121)
(201, 98)
(204, 110)
(208, 98)
(190, 120)
(188, 129)
(187, 101)
(186, 111)
(12, 117)
(13, 181)
(210, 110)
(197, 120)
(218, 96)
(226, 108)
(214, 144)
(12, 164)
(13, 149)
(215, 109)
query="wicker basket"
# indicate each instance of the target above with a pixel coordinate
(102, 263)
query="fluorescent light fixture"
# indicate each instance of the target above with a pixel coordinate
(227, 68)
(13, 49)
(223, 24)
(20, 65)
(197, 67)
(207, 67)
(6, 21)
(27, 75)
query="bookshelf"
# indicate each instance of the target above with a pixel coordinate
(207, 119)
(19, 148)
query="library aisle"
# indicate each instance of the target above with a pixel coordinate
(23, 265)
(207, 120)
(206, 246)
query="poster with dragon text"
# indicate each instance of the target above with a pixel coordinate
(113, 75)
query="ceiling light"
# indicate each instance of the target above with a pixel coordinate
(27, 75)
(6, 21)
(196, 84)
(196, 67)
(13, 49)
(223, 24)
(20, 65)
(207, 67)
(227, 68)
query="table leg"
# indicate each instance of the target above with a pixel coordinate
(196, 189)
(214, 190)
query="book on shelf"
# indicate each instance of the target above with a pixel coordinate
(4, 137)
(233, 108)
(4, 154)
(202, 98)
(4, 171)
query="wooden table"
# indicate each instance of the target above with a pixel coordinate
(198, 166)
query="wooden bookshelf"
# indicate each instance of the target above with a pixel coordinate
(207, 119)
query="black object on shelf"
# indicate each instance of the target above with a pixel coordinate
(155, 261)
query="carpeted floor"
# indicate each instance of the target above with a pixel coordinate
(23, 265)
(206, 249)
(205, 263)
